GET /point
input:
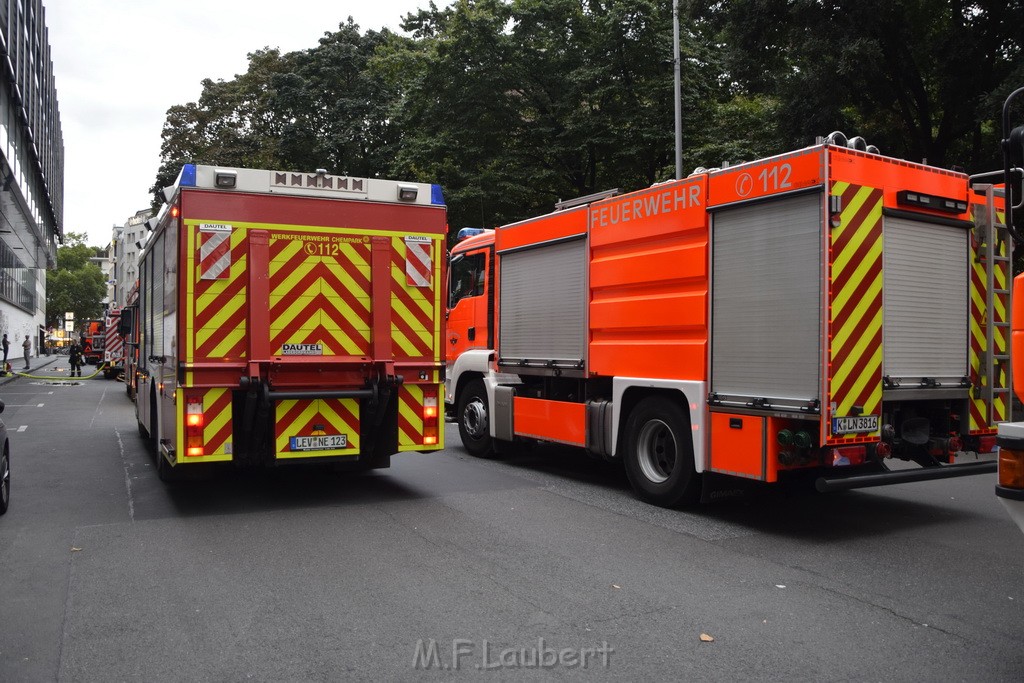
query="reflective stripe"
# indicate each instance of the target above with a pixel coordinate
(855, 329)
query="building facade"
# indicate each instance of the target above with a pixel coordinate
(126, 246)
(31, 169)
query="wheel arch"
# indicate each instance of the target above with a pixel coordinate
(628, 392)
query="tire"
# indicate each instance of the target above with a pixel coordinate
(474, 420)
(5, 481)
(164, 470)
(659, 454)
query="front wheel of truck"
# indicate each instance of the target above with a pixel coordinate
(474, 420)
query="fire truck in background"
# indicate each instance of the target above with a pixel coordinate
(113, 344)
(291, 317)
(93, 340)
(128, 332)
(1010, 485)
(818, 312)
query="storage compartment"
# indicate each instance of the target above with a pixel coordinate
(543, 323)
(766, 303)
(925, 291)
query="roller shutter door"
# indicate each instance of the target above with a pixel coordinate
(543, 304)
(925, 295)
(766, 301)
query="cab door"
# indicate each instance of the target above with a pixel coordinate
(470, 302)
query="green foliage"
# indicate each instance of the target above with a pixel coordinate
(76, 285)
(511, 105)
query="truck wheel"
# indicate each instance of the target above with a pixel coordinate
(474, 423)
(165, 470)
(5, 481)
(659, 454)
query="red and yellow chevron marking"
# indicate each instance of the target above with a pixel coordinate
(320, 293)
(415, 315)
(410, 418)
(217, 423)
(855, 327)
(979, 423)
(316, 417)
(218, 323)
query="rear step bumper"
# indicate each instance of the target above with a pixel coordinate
(861, 481)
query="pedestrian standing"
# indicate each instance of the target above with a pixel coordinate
(75, 358)
(27, 345)
(7, 349)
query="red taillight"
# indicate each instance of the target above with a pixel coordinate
(955, 445)
(430, 416)
(194, 427)
(883, 450)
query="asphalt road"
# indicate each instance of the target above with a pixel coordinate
(532, 566)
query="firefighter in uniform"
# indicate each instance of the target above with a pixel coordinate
(75, 358)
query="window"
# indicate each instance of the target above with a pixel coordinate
(466, 277)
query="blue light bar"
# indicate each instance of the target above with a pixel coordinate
(467, 232)
(436, 196)
(187, 177)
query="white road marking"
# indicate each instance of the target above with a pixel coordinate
(22, 428)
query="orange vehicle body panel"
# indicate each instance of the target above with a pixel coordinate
(785, 173)
(547, 228)
(551, 420)
(649, 283)
(1017, 322)
(738, 445)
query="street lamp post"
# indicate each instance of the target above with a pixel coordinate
(678, 89)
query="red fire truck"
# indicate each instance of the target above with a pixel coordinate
(128, 331)
(113, 344)
(93, 338)
(291, 317)
(820, 311)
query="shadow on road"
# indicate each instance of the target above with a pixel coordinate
(790, 510)
(229, 491)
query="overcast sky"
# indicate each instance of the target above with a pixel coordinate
(120, 64)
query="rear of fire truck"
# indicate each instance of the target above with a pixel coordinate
(291, 317)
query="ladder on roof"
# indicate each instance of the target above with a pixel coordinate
(996, 253)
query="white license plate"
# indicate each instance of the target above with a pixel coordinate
(318, 443)
(855, 425)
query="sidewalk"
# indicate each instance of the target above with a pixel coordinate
(37, 363)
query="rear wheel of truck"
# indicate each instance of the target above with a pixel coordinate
(474, 421)
(659, 454)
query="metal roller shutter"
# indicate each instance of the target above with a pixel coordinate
(766, 301)
(543, 303)
(925, 294)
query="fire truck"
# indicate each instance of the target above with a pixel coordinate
(817, 313)
(93, 338)
(1010, 484)
(128, 332)
(113, 344)
(291, 317)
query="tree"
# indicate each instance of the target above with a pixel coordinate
(76, 285)
(921, 79)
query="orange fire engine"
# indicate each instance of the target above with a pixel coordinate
(825, 309)
(291, 317)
